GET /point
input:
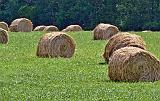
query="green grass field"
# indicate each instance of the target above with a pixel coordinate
(23, 76)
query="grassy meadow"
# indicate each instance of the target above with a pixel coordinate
(84, 77)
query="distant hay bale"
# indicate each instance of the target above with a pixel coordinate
(121, 40)
(133, 64)
(21, 25)
(56, 44)
(40, 28)
(4, 26)
(104, 31)
(146, 31)
(72, 28)
(51, 29)
(3, 36)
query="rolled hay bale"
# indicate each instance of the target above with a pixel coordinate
(3, 36)
(51, 29)
(132, 64)
(56, 44)
(104, 31)
(21, 25)
(64, 30)
(72, 28)
(40, 28)
(4, 26)
(121, 40)
(146, 31)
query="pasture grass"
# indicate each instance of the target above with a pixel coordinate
(84, 77)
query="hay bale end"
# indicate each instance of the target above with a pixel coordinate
(3, 36)
(56, 44)
(21, 25)
(132, 64)
(4, 26)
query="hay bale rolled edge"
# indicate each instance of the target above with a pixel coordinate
(40, 28)
(51, 29)
(14, 25)
(121, 40)
(72, 28)
(3, 36)
(133, 64)
(104, 31)
(42, 49)
(4, 25)
(65, 30)
(56, 44)
(21, 25)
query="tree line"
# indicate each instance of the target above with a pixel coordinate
(126, 14)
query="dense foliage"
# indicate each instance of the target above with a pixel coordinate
(126, 14)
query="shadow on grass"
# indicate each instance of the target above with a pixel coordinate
(122, 82)
(103, 63)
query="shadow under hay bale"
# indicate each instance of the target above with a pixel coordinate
(72, 28)
(4, 26)
(133, 64)
(51, 29)
(3, 36)
(121, 40)
(56, 44)
(21, 25)
(104, 31)
(40, 28)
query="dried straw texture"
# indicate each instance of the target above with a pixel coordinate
(21, 25)
(104, 31)
(4, 26)
(121, 40)
(133, 64)
(40, 28)
(56, 44)
(72, 28)
(51, 29)
(3, 36)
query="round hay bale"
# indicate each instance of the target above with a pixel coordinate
(146, 31)
(133, 64)
(4, 26)
(72, 28)
(21, 25)
(56, 44)
(104, 31)
(64, 30)
(3, 36)
(121, 40)
(51, 29)
(40, 28)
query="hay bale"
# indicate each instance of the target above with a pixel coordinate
(72, 28)
(146, 31)
(56, 44)
(40, 28)
(51, 29)
(3, 36)
(104, 31)
(133, 64)
(21, 25)
(121, 40)
(4, 26)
